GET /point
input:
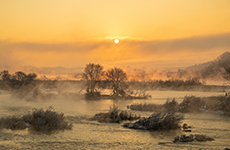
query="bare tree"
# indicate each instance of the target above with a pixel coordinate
(117, 76)
(92, 74)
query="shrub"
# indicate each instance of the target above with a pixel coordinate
(191, 104)
(158, 121)
(41, 119)
(12, 122)
(171, 105)
(115, 115)
(191, 138)
(38, 120)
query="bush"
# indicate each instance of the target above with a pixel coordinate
(191, 104)
(38, 120)
(191, 138)
(219, 104)
(171, 105)
(13, 123)
(158, 121)
(115, 115)
(41, 119)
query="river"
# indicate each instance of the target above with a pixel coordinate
(94, 135)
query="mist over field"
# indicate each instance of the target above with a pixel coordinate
(216, 70)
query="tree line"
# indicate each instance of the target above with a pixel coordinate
(18, 79)
(95, 78)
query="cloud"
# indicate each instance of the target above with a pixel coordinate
(204, 43)
(129, 52)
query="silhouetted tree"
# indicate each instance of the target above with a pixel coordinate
(92, 74)
(117, 76)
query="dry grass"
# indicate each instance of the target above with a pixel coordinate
(191, 104)
(158, 121)
(169, 106)
(218, 103)
(191, 138)
(12, 122)
(202, 137)
(38, 120)
(212, 103)
(115, 115)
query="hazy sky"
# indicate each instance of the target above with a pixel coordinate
(152, 34)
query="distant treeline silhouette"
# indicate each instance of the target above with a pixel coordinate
(18, 79)
(171, 83)
(95, 79)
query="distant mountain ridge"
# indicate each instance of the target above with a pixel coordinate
(218, 68)
(215, 70)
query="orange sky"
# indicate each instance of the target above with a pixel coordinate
(153, 34)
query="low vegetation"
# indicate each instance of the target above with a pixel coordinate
(169, 106)
(191, 104)
(219, 104)
(146, 107)
(191, 138)
(13, 122)
(158, 121)
(37, 120)
(115, 115)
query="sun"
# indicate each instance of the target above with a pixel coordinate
(116, 41)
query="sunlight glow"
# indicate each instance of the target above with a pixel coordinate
(116, 41)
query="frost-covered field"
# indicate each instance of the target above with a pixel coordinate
(93, 135)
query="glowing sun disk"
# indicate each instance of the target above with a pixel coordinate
(116, 41)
